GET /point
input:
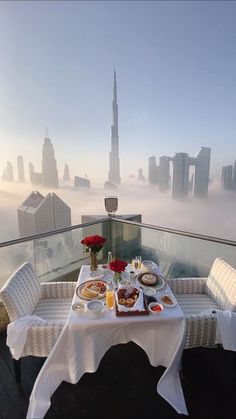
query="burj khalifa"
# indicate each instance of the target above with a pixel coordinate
(114, 160)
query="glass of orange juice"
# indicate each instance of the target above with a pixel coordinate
(110, 295)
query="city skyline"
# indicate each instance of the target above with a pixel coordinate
(176, 84)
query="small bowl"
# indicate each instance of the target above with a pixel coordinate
(151, 308)
(95, 308)
(149, 291)
(78, 307)
(147, 266)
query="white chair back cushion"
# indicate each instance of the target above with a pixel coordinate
(221, 285)
(21, 292)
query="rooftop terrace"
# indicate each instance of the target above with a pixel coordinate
(125, 383)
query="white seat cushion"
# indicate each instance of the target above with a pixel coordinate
(200, 322)
(53, 309)
(195, 303)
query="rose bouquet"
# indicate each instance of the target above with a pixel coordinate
(93, 245)
(117, 265)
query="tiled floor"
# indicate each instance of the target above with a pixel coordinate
(124, 386)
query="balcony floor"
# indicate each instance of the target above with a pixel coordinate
(124, 386)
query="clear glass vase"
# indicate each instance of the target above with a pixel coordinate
(117, 277)
(93, 262)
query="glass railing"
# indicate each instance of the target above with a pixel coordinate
(59, 255)
(54, 256)
(178, 253)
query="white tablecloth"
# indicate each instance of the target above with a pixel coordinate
(84, 341)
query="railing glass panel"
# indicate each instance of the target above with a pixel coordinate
(54, 256)
(177, 255)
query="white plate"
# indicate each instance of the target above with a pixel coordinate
(158, 286)
(166, 304)
(89, 284)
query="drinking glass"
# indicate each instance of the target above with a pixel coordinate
(135, 264)
(110, 294)
(139, 259)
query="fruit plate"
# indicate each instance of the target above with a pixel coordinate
(160, 282)
(90, 290)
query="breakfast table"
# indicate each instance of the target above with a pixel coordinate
(84, 341)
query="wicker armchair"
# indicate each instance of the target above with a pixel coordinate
(23, 295)
(200, 297)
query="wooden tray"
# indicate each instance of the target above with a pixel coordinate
(144, 312)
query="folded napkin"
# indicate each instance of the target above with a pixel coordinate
(137, 306)
(226, 329)
(17, 333)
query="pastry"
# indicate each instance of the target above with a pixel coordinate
(167, 300)
(149, 279)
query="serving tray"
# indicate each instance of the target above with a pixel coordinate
(132, 313)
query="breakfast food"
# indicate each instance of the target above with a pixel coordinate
(149, 279)
(167, 300)
(90, 293)
(92, 289)
(127, 296)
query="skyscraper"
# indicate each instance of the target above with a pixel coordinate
(66, 175)
(164, 173)
(234, 177)
(140, 175)
(202, 169)
(152, 171)
(180, 181)
(38, 214)
(20, 167)
(227, 177)
(114, 161)
(8, 172)
(49, 164)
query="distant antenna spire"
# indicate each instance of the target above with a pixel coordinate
(115, 87)
(46, 132)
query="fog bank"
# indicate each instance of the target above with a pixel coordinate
(214, 216)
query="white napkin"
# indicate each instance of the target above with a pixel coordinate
(226, 329)
(137, 306)
(17, 333)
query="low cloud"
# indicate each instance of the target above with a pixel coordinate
(214, 216)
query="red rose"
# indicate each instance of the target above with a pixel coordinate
(117, 265)
(93, 243)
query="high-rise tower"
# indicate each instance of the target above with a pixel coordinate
(180, 180)
(66, 175)
(114, 161)
(202, 170)
(49, 164)
(152, 171)
(20, 167)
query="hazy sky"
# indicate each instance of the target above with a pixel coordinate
(176, 73)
